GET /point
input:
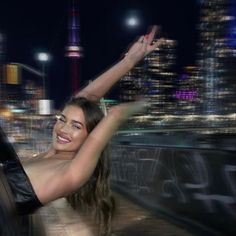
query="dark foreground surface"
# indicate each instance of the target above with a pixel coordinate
(130, 219)
(188, 177)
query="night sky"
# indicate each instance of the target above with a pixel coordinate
(32, 26)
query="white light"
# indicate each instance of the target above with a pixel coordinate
(132, 21)
(42, 56)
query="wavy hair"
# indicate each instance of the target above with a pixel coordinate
(95, 195)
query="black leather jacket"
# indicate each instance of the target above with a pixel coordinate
(25, 199)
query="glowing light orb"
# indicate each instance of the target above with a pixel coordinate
(42, 56)
(132, 21)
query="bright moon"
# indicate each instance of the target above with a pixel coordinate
(132, 21)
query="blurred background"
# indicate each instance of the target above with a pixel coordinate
(50, 49)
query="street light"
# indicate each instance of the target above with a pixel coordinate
(43, 58)
(45, 105)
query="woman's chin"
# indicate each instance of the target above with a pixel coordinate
(60, 146)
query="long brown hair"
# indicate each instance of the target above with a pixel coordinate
(95, 195)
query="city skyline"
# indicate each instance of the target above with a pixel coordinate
(104, 36)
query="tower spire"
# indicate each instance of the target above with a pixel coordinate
(73, 49)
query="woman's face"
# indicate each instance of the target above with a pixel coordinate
(70, 131)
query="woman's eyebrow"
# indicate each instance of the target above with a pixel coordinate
(74, 121)
(78, 122)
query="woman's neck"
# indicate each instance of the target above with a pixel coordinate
(63, 155)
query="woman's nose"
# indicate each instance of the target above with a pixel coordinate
(65, 128)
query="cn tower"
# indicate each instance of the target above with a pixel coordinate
(73, 51)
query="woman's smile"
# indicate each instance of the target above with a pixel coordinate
(70, 130)
(63, 139)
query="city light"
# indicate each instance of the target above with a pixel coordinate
(43, 56)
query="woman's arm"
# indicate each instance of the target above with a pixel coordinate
(103, 83)
(84, 163)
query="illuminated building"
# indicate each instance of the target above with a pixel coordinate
(73, 49)
(131, 84)
(229, 93)
(216, 58)
(154, 79)
(11, 82)
(187, 94)
(160, 78)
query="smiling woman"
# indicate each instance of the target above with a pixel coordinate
(70, 129)
(76, 165)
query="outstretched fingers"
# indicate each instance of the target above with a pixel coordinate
(150, 42)
(145, 43)
(157, 44)
(152, 34)
(140, 40)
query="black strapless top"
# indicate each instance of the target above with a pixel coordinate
(23, 193)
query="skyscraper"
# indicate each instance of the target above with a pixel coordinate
(187, 92)
(154, 79)
(216, 59)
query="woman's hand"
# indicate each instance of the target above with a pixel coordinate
(143, 46)
(103, 83)
(124, 111)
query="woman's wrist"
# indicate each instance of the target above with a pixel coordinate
(124, 111)
(129, 62)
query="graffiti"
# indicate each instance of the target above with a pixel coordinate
(203, 180)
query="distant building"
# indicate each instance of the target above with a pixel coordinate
(187, 92)
(154, 79)
(217, 57)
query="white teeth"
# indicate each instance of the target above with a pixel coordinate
(63, 139)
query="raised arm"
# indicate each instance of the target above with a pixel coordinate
(103, 83)
(84, 163)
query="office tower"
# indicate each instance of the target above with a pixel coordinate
(160, 78)
(187, 92)
(154, 79)
(216, 57)
(73, 49)
(10, 75)
(229, 86)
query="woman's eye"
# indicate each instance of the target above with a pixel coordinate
(76, 126)
(62, 120)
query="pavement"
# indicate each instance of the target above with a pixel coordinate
(59, 219)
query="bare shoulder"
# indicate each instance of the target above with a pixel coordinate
(49, 177)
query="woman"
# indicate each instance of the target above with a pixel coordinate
(80, 137)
